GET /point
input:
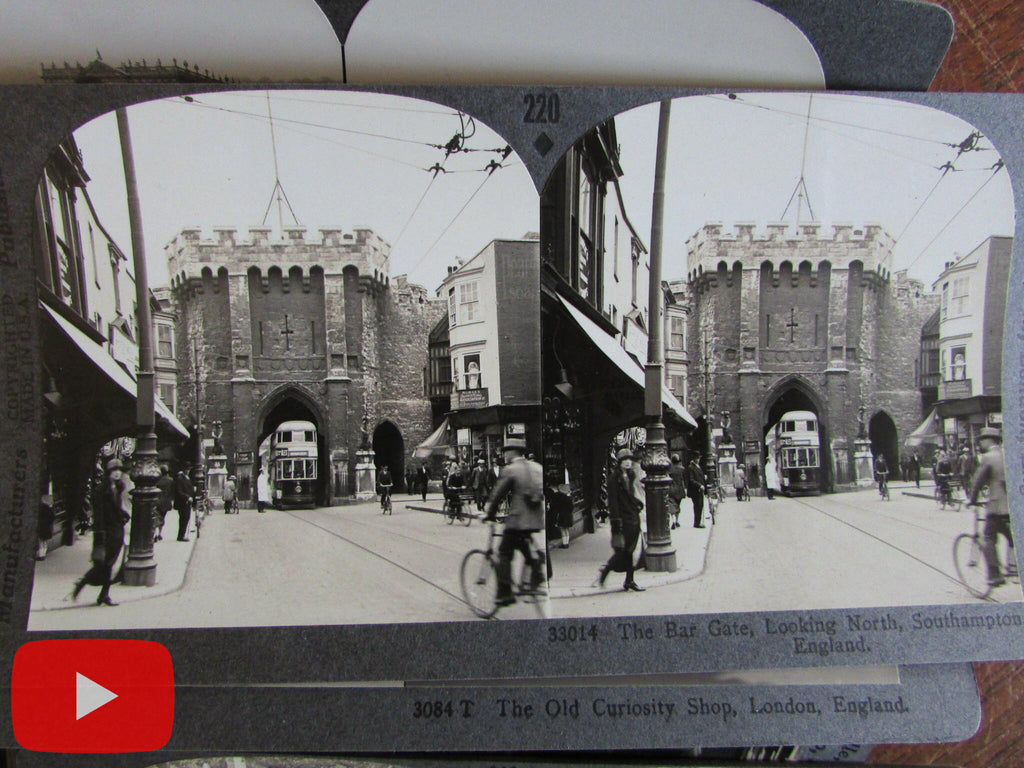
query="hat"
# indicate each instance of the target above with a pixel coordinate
(623, 453)
(514, 444)
(479, 461)
(114, 464)
(991, 432)
(231, 477)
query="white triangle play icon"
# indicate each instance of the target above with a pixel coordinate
(89, 696)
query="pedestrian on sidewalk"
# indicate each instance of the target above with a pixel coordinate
(624, 511)
(915, 469)
(478, 481)
(262, 491)
(771, 479)
(183, 493)
(165, 502)
(739, 483)
(676, 488)
(561, 510)
(110, 512)
(423, 477)
(695, 486)
(230, 496)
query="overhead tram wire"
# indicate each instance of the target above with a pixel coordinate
(449, 225)
(776, 110)
(953, 218)
(419, 202)
(369, 134)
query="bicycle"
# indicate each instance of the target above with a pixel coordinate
(453, 508)
(883, 485)
(385, 500)
(478, 576)
(944, 495)
(969, 558)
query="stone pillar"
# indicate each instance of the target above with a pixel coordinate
(750, 319)
(216, 475)
(241, 326)
(837, 297)
(864, 470)
(334, 318)
(366, 475)
(726, 465)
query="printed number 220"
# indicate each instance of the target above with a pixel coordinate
(542, 108)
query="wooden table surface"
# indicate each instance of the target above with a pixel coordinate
(987, 55)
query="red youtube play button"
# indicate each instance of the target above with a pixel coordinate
(92, 696)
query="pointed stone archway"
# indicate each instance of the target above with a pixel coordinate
(389, 449)
(795, 393)
(291, 403)
(884, 439)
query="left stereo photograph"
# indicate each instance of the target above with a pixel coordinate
(322, 271)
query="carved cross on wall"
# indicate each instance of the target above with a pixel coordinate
(287, 333)
(792, 324)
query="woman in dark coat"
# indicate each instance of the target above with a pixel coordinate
(109, 516)
(624, 508)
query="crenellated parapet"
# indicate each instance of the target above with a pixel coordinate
(296, 254)
(791, 252)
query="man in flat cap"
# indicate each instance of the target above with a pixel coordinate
(522, 481)
(991, 475)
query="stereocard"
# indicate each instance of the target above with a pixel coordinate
(681, 43)
(951, 631)
(933, 702)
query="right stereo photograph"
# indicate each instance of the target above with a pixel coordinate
(833, 276)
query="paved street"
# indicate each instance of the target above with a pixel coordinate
(837, 551)
(350, 564)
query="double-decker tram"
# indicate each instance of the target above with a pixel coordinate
(795, 444)
(293, 465)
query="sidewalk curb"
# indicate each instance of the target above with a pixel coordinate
(126, 594)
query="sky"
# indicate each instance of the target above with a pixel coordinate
(863, 159)
(343, 159)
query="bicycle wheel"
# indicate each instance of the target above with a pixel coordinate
(453, 512)
(478, 576)
(970, 564)
(467, 518)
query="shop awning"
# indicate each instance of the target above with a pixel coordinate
(438, 442)
(929, 432)
(110, 367)
(622, 360)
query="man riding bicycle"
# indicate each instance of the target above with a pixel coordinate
(522, 481)
(944, 475)
(991, 475)
(384, 483)
(882, 473)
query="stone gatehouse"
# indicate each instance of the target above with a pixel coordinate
(301, 328)
(805, 318)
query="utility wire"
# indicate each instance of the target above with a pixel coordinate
(776, 110)
(320, 125)
(953, 218)
(449, 225)
(419, 202)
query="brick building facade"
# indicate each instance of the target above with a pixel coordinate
(310, 329)
(811, 319)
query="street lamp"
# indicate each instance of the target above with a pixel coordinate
(140, 566)
(710, 464)
(660, 555)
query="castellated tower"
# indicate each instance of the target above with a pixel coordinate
(302, 328)
(806, 318)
